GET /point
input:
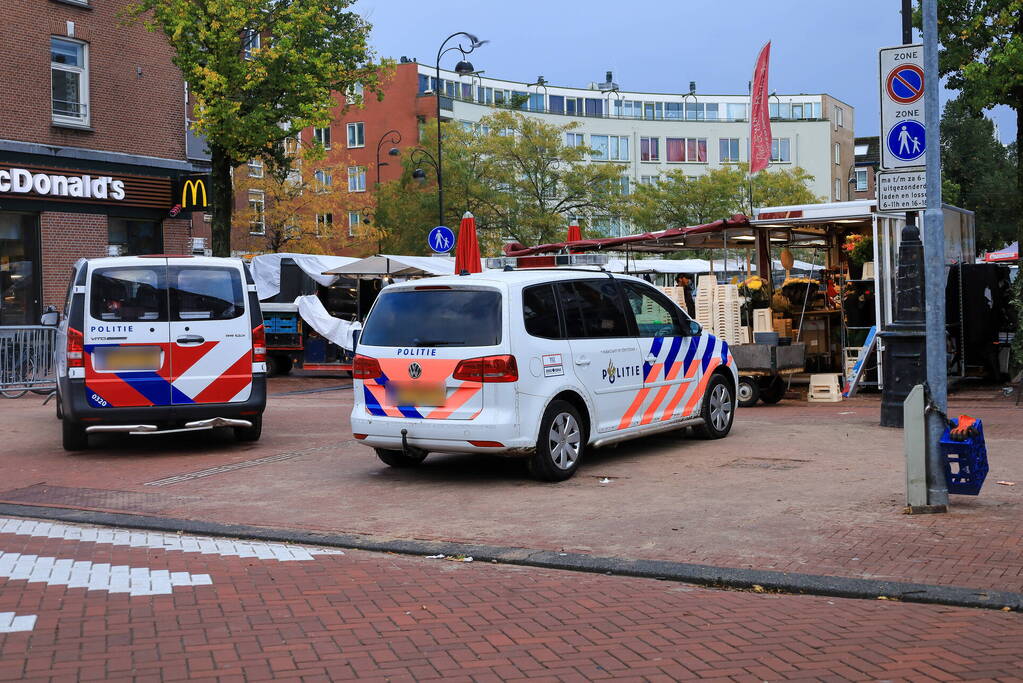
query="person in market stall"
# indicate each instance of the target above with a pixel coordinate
(684, 280)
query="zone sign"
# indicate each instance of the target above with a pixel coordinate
(903, 133)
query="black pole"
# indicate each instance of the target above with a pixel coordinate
(395, 139)
(440, 179)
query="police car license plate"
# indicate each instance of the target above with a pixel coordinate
(127, 358)
(421, 395)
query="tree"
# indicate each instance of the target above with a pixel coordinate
(679, 200)
(973, 159)
(259, 71)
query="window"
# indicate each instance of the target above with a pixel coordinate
(540, 312)
(838, 154)
(838, 189)
(324, 223)
(257, 224)
(780, 149)
(654, 317)
(610, 147)
(686, 149)
(673, 111)
(861, 180)
(206, 293)
(593, 309)
(649, 149)
(132, 294)
(322, 136)
(69, 81)
(624, 184)
(594, 107)
(356, 135)
(556, 104)
(432, 318)
(484, 95)
(649, 179)
(467, 91)
(255, 168)
(839, 117)
(736, 112)
(729, 149)
(356, 178)
(536, 102)
(323, 181)
(135, 237)
(699, 111)
(575, 140)
(355, 91)
(354, 219)
(251, 41)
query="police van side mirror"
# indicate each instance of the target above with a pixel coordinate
(694, 329)
(50, 317)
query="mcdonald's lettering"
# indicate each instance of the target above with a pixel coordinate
(195, 185)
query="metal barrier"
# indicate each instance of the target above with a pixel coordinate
(26, 360)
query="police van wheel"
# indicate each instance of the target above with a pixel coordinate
(245, 434)
(399, 459)
(748, 392)
(73, 436)
(559, 449)
(718, 410)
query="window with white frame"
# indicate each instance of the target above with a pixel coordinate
(838, 189)
(324, 223)
(861, 180)
(686, 149)
(257, 224)
(728, 149)
(322, 136)
(255, 168)
(610, 147)
(649, 149)
(649, 179)
(356, 178)
(69, 81)
(251, 41)
(354, 93)
(780, 149)
(625, 185)
(839, 116)
(354, 219)
(575, 140)
(323, 181)
(838, 154)
(356, 135)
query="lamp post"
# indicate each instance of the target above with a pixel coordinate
(463, 68)
(418, 156)
(395, 138)
(541, 82)
(685, 100)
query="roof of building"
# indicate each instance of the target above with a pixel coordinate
(868, 150)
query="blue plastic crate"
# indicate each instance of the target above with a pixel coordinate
(278, 324)
(969, 459)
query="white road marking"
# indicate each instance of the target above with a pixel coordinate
(104, 577)
(15, 623)
(156, 540)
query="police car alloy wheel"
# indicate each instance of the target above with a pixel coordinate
(560, 445)
(720, 407)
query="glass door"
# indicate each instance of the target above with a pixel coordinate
(19, 269)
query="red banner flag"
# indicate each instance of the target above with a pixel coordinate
(760, 115)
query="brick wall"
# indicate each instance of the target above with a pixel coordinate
(65, 238)
(175, 236)
(136, 95)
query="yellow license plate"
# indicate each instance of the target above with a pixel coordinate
(128, 359)
(425, 395)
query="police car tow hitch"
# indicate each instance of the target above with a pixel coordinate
(409, 451)
(194, 426)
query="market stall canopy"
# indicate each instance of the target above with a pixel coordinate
(266, 270)
(385, 265)
(1009, 253)
(660, 266)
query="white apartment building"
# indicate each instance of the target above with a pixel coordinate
(656, 133)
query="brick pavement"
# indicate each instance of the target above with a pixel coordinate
(385, 617)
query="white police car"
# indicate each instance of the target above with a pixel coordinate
(543, 364)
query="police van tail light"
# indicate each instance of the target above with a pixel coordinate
(364, 367)
(75, 348)
(488, 369)
(258, 344)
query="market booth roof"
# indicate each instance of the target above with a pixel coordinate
(383, 265)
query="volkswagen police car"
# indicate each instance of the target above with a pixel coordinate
(542, 364)
(159, 343)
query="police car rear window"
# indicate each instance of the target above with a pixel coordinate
(447, 317)
(206, 293)
(129, 294)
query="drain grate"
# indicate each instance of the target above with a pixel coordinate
(766, 463)
(95, 499)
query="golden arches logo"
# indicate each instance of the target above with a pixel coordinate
(196, 185)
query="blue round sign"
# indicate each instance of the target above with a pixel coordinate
(441, 239)
(907, 140)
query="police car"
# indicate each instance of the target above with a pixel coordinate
(160, 343)
(543, 364)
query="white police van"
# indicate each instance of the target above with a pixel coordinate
(160, 343)
(538, 363)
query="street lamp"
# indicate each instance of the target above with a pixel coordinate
(608, 87)
(463, 68)
(685, 101)
(541, 82)
(395, 138)
(419, 155)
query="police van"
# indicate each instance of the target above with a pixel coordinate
(160, 343)
(542, 364)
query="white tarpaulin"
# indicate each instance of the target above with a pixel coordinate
(383, 265)
(336, 330)
(266, 270)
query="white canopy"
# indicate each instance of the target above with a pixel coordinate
(266, 270)
(652, 265)
(383, 265)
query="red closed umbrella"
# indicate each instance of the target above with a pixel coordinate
(467, 250)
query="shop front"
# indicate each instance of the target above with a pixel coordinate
(55, 210)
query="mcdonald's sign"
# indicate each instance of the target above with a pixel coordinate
(194, 193)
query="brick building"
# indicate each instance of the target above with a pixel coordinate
(93, 147)
(868, 160)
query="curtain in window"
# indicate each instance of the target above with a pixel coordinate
(675, 149)
(696, 150)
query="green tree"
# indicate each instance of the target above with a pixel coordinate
(259, 72)
(678, 200)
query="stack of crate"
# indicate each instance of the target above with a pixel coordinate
(706, 302)
(676, 294)
(727, 319)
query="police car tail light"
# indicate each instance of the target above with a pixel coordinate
(488, 369)
(258, 344)
(364, 367)
(75, 348)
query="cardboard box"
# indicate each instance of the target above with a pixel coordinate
(814, 333)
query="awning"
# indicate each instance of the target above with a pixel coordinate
(384, 265)
(266, 270)
(1009, 253)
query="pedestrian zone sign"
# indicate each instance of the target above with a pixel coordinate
(903, 133)
(441, 239)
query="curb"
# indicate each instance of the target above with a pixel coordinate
(699, 574)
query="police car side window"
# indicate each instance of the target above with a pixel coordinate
(593, 309)
(653, 316)
(129, 294)
(540, 312)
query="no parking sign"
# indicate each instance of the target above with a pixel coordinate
(903, 134)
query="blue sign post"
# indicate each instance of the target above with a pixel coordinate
(441, 239)
(907, 140)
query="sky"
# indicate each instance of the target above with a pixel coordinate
(661, 45)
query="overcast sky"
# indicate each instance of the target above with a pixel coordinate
(661, 45)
